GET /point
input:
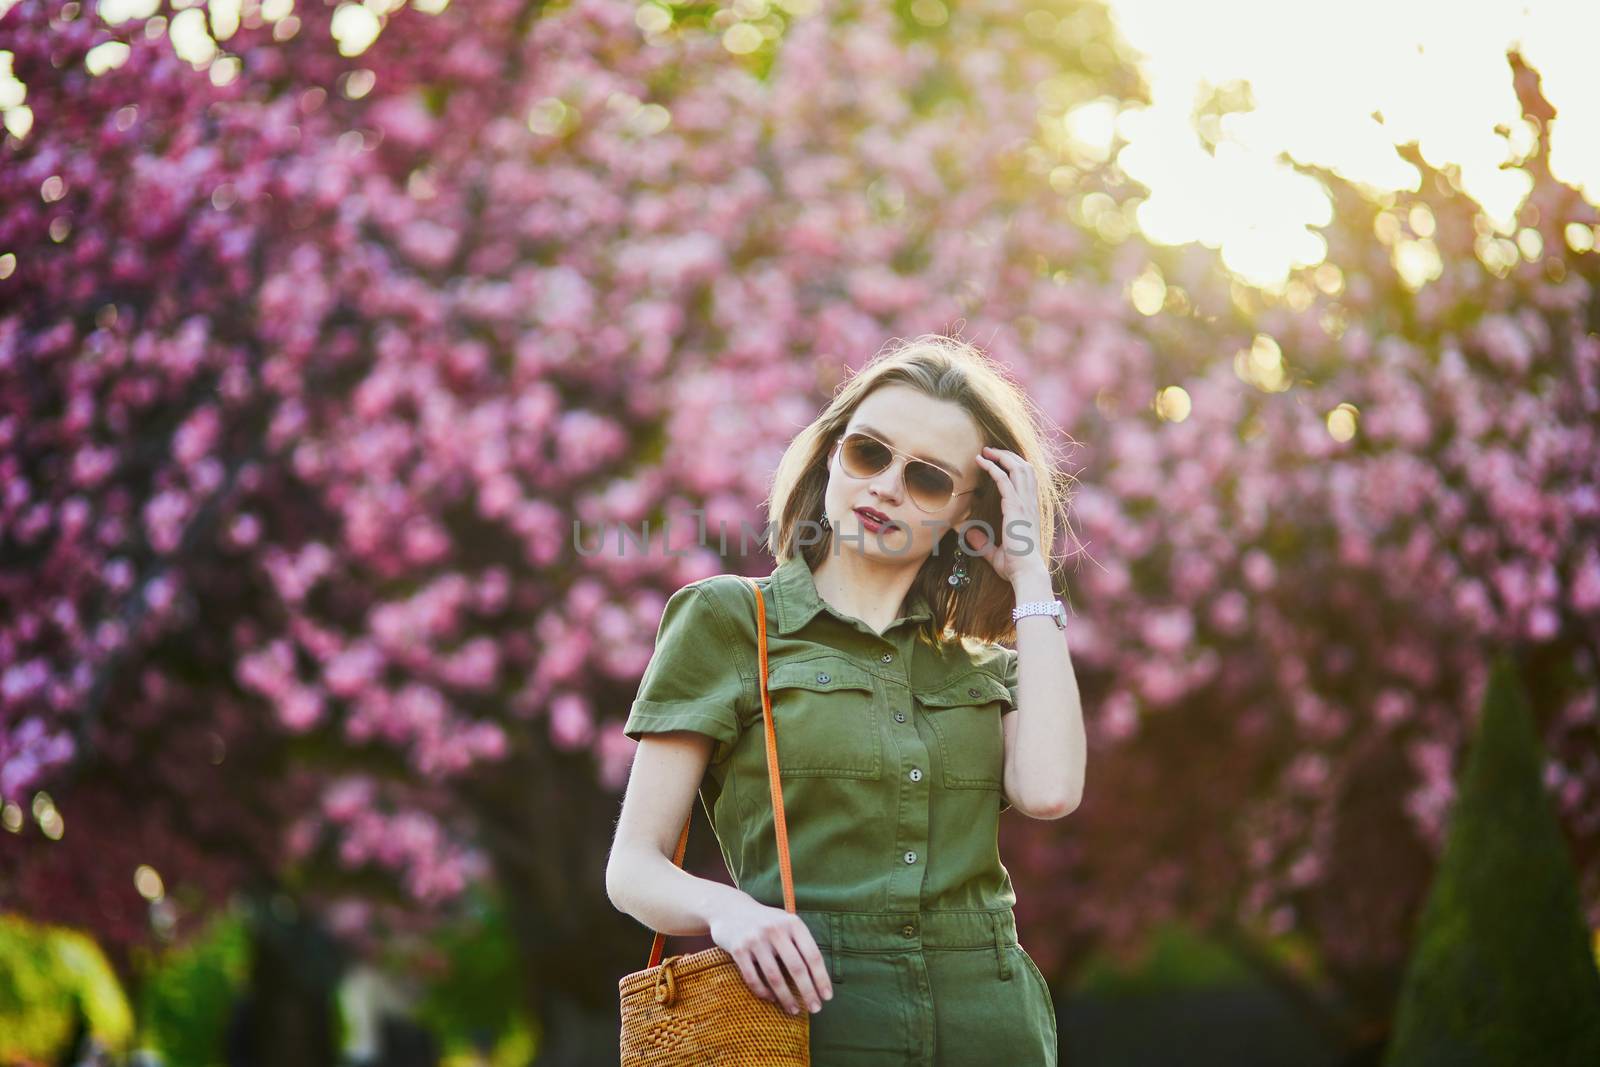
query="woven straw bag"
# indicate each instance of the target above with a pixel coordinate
(693, 1010)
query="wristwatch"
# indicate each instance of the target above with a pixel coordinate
(1053, 608)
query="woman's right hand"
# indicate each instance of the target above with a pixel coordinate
(758, 937)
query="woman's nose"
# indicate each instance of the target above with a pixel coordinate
(887, 481)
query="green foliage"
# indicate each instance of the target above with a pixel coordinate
(516, 1047)
(186, 997)
(480, 990)
(44, 972)
(1503, 972)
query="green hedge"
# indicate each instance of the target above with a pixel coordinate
(1503, 973)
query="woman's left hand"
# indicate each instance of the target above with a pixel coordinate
(1018, 551)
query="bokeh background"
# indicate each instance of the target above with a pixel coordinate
(329, 332)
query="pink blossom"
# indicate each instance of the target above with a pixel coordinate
(1308, 773)
(1169, 631)
(24, 680)
(266, 670)
(571, 721)
(300, 708)
(1259, 570)
(165, 517)
(197, 436)
(615, 751)
(244, 531)
(1229, 611)
(91, 465)
(160, 592)
(425, 541)
(344, 797)
(1392, 706)
(474, 666)
(487, 740)
(1584, 591)
(352, 669)
(1505, 343)
(1118, 717)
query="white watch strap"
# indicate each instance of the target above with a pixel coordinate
(1038, 607)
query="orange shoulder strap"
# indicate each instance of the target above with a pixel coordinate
(774, 780)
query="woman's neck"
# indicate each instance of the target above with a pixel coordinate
(863, 588)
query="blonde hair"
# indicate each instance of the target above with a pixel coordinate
(944, 368)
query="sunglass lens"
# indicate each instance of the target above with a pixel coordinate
(929, 486)
(863, 456)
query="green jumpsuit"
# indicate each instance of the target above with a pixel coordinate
(891, 754)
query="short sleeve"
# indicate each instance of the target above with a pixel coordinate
(1008, 675)
(692, 681)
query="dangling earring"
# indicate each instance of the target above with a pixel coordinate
(958, 571)
(826, 525)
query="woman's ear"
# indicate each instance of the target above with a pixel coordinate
(973, 536)
(959, 518)
(968, 510)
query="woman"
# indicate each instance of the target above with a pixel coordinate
(903, 728)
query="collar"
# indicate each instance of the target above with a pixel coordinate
(795, 589)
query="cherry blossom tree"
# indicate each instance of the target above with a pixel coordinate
(1298, 587)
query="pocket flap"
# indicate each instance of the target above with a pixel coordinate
(974, 687)
(818, 675)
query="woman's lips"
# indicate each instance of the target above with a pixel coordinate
(870, 521)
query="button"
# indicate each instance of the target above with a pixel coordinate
(899, 716)
(888, 657)
(972, 692)
(916, 774)
(826, 678)
(911, 857)
(909, 930)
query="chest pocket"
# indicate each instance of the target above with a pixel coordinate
(826, 719)
(964, 713)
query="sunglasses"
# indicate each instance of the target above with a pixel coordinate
(930, 487)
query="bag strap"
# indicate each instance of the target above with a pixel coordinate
(774, 781)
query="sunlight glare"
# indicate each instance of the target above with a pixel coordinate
(1340, 88)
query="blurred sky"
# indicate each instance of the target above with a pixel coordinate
(1435, 71)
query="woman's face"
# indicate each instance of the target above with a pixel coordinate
(916, 426)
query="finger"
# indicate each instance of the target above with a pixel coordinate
(776, 981)
(752, 976)
(1007, 456)
(1021, 537)
(990, 542)
(1015, 464)
(813, 958)
(994, 463)
(982, 551)
(801, 971)
(1002, 477)
(820, 975)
